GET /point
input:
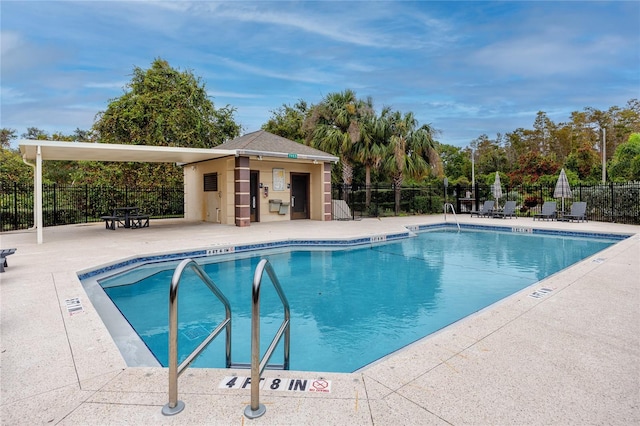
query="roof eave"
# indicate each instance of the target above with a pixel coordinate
(294, 156)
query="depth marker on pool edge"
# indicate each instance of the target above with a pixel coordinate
(74, 306)
(541, 292)
(278, 384)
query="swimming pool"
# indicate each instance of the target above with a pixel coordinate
(349, 307)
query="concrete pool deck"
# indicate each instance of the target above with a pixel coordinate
(571, 356)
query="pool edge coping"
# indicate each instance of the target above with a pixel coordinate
(222, 249)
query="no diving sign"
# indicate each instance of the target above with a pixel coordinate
(278, 384)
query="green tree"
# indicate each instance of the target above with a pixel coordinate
(456, 163)
(287, 121)
(165, 107)
(6, 135)
(369, 149)
(563, 141)
(625, 165)
(12, 168)
(35, 134)
(490, 156)
(409, 152)
(544, 134)
(335, 125)
(515, 145)
(585, 162)
(60, 172)
(533, 165)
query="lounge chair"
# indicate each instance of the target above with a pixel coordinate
(509, 210)
(486, 210)
(578, 212)
(548, 211)
(3, 257)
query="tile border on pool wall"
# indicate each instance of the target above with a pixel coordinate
(519, 229)
(139, 260)
(320, 243)
(242, 249)
(339, 243)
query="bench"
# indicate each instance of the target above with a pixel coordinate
(110, 221)
(139, 220)
(3, 257)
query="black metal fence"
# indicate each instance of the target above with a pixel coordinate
(69, 204)
(611, 202)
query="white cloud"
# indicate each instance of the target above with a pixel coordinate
(236, 95)
(12, 96)
(536, 56)
(306, 75)
(337, 26)
(20, 54)
(465, 67)
(11, 41)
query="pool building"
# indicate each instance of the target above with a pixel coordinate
(257, 177)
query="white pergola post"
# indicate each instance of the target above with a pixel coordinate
(604, 155)
(38, 194)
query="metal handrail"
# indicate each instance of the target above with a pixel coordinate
(255, 409)
(174, 406)
(453, 211)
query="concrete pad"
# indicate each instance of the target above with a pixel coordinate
(569, 357)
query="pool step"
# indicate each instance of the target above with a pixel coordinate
(247, 366)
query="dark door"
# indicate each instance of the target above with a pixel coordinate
(254, 200)
(299, 196)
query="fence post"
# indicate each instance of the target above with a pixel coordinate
(580, 192)
(163, 202)
(476, 197)
(377, 192)
(15, 205)
(86, 203)
(55, 204)
(430, 199)
(612, 202)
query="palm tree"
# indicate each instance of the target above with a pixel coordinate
(335, 125)
(410, 150)
(369, 149)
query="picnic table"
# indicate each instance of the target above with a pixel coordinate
(126, 217)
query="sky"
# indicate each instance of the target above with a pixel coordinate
(465, 68)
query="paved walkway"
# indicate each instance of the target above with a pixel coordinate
(570, 357)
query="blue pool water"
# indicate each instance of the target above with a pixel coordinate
(349, 307)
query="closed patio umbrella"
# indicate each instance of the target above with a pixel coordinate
(496, 189)
(562, 188)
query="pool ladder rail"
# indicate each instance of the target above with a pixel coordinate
(453, 210)
(255, 409)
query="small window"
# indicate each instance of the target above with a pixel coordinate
(211, 182)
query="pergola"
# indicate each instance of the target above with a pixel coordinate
(39, 150)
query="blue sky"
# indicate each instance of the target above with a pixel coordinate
(466, 68)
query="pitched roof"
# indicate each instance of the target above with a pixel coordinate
(270, 145)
